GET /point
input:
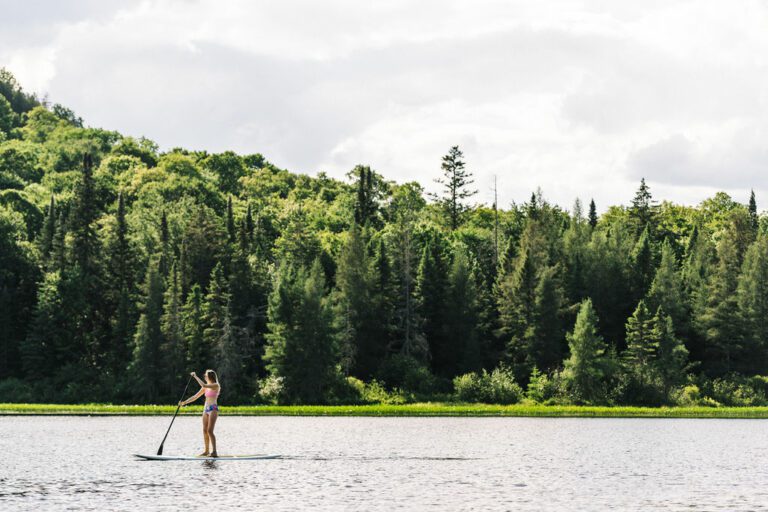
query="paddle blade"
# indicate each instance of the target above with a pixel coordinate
(160, 450)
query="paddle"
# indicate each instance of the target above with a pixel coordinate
(160, 450)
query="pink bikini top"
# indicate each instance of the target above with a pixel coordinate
(210, 393)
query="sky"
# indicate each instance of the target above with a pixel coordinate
(581, 98)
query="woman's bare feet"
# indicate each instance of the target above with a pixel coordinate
(214, 454)
(204, 454)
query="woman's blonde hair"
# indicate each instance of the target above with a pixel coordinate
(211, 375)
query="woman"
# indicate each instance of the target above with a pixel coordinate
(211, 389)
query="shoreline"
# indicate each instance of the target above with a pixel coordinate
(384, 410)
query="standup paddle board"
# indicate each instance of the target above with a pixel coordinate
(221, 457)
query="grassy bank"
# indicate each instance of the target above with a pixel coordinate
(420, 409)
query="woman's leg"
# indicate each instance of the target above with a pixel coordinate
(211, 424)
(205, 434)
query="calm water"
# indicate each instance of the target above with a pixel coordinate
(58, 463)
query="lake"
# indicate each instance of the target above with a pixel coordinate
(85, 463)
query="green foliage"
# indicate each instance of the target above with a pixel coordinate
(497, 387)
(403, 295)
(300, 346)
(588, 368)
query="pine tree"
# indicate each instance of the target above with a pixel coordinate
(146, 366)
(366, 201)
(667, 290)
(671, 354)
(588, 366)
(546, 350)
(385, 293)
(173, 348)
(641, 344)
(517, 311)
(431, 293)
(455, 182)
(752, 300)
(198, 354)
(364, 336)
(215, 308)
(592, 214)
(643, 209)
(720, 321)
(92, 319)
(300, 347)
(753, 219)
(228, 355)
(46, 348)
(82, 220)
(463, 350)
(121, 290)
(642, 265)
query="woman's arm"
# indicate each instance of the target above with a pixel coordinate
(193, 398)
(203, 384)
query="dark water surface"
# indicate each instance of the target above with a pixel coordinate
(82, 463)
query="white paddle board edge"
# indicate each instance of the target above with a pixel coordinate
(223, 457)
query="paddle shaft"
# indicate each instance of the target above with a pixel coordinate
(183, 394)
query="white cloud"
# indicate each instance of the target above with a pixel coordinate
(580, 99)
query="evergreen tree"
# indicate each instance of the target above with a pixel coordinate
(46, 348)
(753, 219)
(385, 293)
(752, 300)
(173, 348)
(198, 354)
(671, 354)
(667, 290)
(589, 364)
(431, 294)
(455, 182)
(546, 351)
(121, 290)
(719, 320)
(643, 209)
(364, 337)
(641, 342)
(366, 204)
(592, 214)
(82, 220)
(228, 355)
(300, 348)
(215, 308)
(146, 366)
(463, 349)
(92, 319)
(517, 312)
(642, 265)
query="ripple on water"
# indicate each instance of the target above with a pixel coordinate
(388, 464)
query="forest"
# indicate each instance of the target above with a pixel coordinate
(123, 268)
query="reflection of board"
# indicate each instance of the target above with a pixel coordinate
(221, 457)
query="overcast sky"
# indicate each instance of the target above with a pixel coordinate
(580, 98)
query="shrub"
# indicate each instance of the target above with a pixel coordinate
(16, 391)
(497, 387)
(545, 389)
(407, 374)
(271, 390)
